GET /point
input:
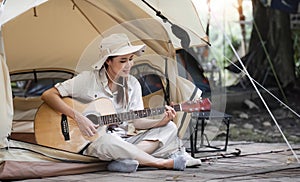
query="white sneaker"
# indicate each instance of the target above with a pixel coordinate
(190, 161)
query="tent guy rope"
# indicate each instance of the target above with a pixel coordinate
(253, 84)
(259, 94)
(261, 86)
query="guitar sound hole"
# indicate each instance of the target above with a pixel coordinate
(93, 118)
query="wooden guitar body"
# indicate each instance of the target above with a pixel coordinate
(48, 129)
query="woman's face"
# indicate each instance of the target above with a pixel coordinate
(120, 65)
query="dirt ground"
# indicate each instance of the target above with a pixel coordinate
(256, 124)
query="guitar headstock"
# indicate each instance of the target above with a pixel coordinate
(196, 105)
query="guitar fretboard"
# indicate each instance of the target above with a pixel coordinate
(125, 116)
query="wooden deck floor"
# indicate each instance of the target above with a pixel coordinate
(256, 162)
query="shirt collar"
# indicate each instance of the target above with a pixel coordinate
(103, 78)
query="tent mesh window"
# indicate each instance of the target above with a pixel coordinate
(152, 82)
(34, 83)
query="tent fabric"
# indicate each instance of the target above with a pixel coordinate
(24, 112)
(34, 152)
(63, 35)
(10, 9)
(23, 160)
(57, 42)
(178, 12)
(186, 91)
(288, 6)
(53, 45)
(181, 89)
(6, 109)
(14, 170)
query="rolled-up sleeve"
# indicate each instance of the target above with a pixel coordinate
(76, 86)
(62, 89)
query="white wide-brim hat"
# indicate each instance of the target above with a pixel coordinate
(117, 45)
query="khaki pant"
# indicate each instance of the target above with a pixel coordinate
(112, 147)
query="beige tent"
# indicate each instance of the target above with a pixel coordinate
(58, 38)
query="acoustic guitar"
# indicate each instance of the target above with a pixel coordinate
(56, 130)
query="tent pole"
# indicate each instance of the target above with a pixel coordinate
(177, 30)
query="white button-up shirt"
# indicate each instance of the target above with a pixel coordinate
(91, 85)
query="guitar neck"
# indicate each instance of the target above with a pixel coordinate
(126, 116)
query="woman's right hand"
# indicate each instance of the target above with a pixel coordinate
(53, 99)
(86, 126)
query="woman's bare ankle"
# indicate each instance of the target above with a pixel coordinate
(167, 164)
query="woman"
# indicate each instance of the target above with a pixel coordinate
(111, 79)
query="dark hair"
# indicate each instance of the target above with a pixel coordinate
(121, 94)
(111, 58)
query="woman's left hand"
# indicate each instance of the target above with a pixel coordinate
(145, 123)
(170, 114)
